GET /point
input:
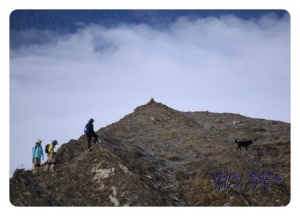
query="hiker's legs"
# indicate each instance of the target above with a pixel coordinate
(89, 139)
(36, 162)
(53, 160)
(95, 137)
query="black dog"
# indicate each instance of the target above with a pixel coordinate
(243, 143)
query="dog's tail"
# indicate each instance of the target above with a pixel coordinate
(235, 141)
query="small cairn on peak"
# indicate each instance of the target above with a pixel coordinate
(151, 101)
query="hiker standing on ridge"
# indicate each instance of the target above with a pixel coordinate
(37, 154)
(51, 154)
(89, 132)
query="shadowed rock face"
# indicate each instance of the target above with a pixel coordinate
(158, 156)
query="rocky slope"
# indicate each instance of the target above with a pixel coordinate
(158, 156)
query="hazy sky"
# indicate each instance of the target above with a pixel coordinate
(215, 64)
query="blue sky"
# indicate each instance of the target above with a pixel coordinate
(216, 61)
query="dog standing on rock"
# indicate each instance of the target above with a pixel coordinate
(243, 143)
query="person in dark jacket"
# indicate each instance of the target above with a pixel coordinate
(90, 133)
(37, 155)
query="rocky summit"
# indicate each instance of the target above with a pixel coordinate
(158, 156)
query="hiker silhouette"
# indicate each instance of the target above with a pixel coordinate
(90, 133)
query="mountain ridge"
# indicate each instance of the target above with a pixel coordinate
(158, 156)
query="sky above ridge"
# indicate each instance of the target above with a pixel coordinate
(69, 66)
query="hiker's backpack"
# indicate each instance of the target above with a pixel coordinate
(87, 128)
(46, 148)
